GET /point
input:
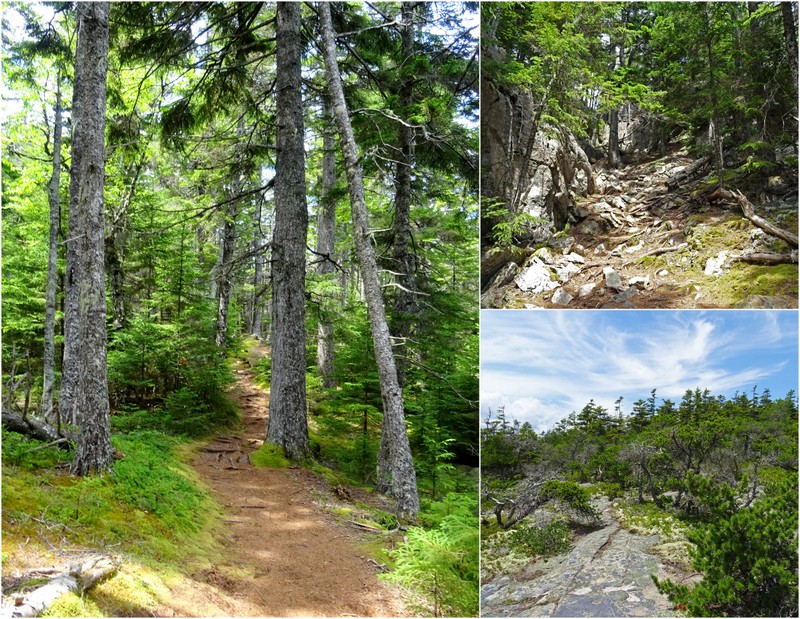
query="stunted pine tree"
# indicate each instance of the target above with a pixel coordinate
(85, 366)
(395, 471)
(287, 425)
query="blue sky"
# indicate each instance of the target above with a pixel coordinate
(542, 365)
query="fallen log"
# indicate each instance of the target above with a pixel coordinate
(687, 173)
(749, 212)
(80, 578)
(36, 428)
(766, 259)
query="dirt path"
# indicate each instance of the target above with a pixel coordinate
(606, 573)
(300, 562)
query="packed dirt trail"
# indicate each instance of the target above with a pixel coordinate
(300, 562)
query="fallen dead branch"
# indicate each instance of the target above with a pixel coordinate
(36, 428)
(688, 173)
(80, 578)
(749, 211)
(766, 259)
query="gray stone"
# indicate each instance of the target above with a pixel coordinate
(625, 296)
(714, 265)
(504, 276)
(544, 254)
(619, 202)
(544, 184)
(535, 278)
(612, 278)
(566, 270)
(777, 185)
(561, 297)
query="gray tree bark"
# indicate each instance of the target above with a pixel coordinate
(225, 273)
(405, 306)
(790, 37)
(48, 384)
(225, 284)
(326, 232)
(85, 366)
(287, 425)
(395, 471)
(256, 309)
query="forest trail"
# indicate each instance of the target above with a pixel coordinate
(643, 244)
(606, 573)
(300, 562)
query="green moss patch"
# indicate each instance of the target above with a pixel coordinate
(269, 456)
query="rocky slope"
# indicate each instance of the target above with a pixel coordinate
(636, 242)
(606, 573)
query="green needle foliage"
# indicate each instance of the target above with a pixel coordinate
(748, 556)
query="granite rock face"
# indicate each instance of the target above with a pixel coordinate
(607, 573)
(539, 173)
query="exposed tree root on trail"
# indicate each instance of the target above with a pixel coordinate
(303, 563)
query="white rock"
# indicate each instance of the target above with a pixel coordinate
(544, 255)
(586, 290)
(663, 273)
(565, 271)
(633, 248)
(600, 249)
(714, 265)
(535, 278)
(582, 591)
(639, 282)
(573, 257)
(613, 279)
(619, 202)
(562, 297)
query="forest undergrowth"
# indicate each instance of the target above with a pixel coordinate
(159, 519)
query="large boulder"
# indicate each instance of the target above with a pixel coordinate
(540, 176)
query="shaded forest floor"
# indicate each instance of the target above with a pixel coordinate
(639, 244)
(301, 562)
(605, 573)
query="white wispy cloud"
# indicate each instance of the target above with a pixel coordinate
(542, 365)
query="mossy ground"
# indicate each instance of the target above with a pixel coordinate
(151, 513)
(649, 519)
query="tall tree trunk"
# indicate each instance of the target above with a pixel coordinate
(790, 37)
(85, 368)
(395, 473)
(714, 122)
(115, 246)
(405, 306)
(287, 425)
(225, 273)
(54, 199)
(326, 231)
(258, 276)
